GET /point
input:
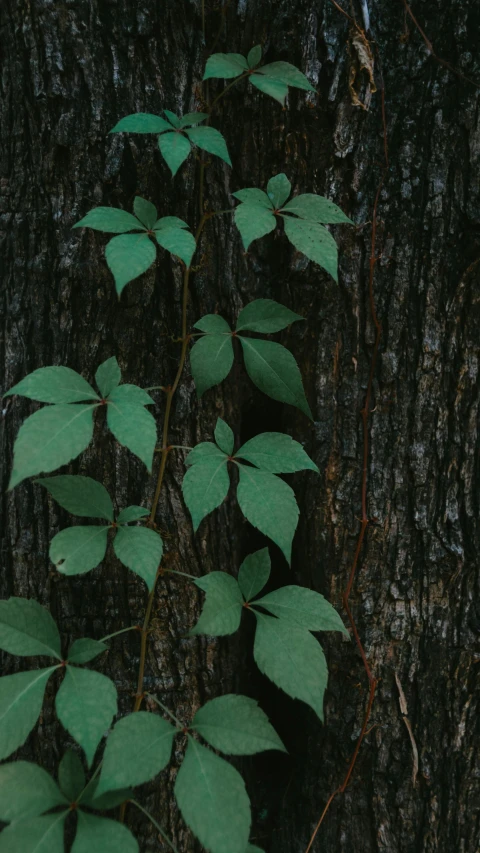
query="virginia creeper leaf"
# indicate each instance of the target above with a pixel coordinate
(169, 222)
(79, 495)
(205, 486)
(211, 359)
(86, 704)
(141, 123)
(252, 848)
(278, 190)
(54, 385)
(224, 437)
(213, 324)
(303, 607)
(274, 370)
(225, 65)
(192, 118)
(173, 119)
(274, 88)
(102, 835)
(26, 790)
(314, 241)
(253, 222)
(132, 513)
(110, 219)
(138, 748)
(21, 698)
(204, 451)
(316, 208)
(174, 148)
(145, 211)
(71, 776)
(77, 550)
(277, 453)
(37, 835)
(140, 550)
(128, 256)
(109, 800)
(108, 376)
(255, 197)
(269, 504)
(254, 56)
(254, 573)
(265, 315)
(130, 394)
(223, 605)
(177, 241)
(27, 628)
(135, 428)
(286, 73)
(85, 649)
(211, 140)
(236, 725)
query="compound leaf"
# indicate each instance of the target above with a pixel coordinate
(225, 65)
(211, 140)
(145, 211)
(205, 486)
(37, 835)
(71, 776)
(132, 513)
(173, 119)
(236, 725)
(86, 704)
(253, 222)
(174, 148)
(254, 573)
(303, 607)
(128, 256)
(85, 649)
(316, 208)
(141, 123)
(223, 605)
(224, 437)
(278, 190)
(211, 359)
(26, 790)
(277, 453)
(269, 504)
(108, 376)
(77, 550)
(102, 835)
(54, 385)
(177, 241)
(314, 241)
(27, 628)
(21, 698)
(80, 495)
(110, 219)
(140, 550)
(138, 748)
(135, 428)
(265, 315)
(274, 370)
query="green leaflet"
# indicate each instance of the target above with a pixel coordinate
(316, 208)
(134, 427)
(54, 385)
(211, 359)
(291, 657)
(225, 65)
(224, 437)
(276, 453)
(192, 118)
(77, 550)
(314, 241)
(279, 75)
(255, 197)
(145, 211)
(138, 748)
(274, 370)
(205, 486)
(213, 324)
(131, 394)
(21, 698)
(213, 801)
(132, 513)
(254, 56)
(50, 438)
(177, 241)
(211, 140)
(252, 848)
(253, 221)
(26, 790)
(204, 451)
(174, 148)
(223, 605)
(27, 628)
(108, 376)
(140, 550)
(278, 190)
(109, 800)
(109, 219)
(265, 315)
(303, 607)
(274, 88)
(254, 573)
(71, 777)
(128, 256)
(37, 835)
(80, 495)
(269, 504)
(102, 835)
(85, 649)
(236, 725)
(141, 123)
(173, 119)
(86, 704)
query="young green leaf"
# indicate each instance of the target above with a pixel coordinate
(86, 705)
(135, 428)
(276, 453)
(224, 437)
(253, 221)
(102, 835)
(213, 324)
(269, 504)
(225, 65)
(26, 790)
(85, 649)
(274, 370)
(79, 495)
(213, 801)
(316, 208)
(254, 573)
(173, 119)
(192, 118)
(54, 385)
(108, 376)
(223, 605)
(145, 211)
(176, 240)
(278, 190)
(110, 219)
(314, 241)
(292, 658)
(174, 148)
(211, 359)
(236, 725)
(21, 698)
(284, 72)
(37, 835)
(254, 196)
(138, 748)
(265, 315)
(71, 776)
(205, 486)
(132, 513)
(141, 123)
(211, 140)
(303, 607)
(27, 628)
(166, 222)
(254, 56)
(128, 256)
(275, 88)
(77, 550)
(140, 550)
(131, 394)
(50, 438)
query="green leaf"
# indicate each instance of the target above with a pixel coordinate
(211, 140)
(79, 495)
(254, 196)
(166, 222)
(173, 119)
(224, 437)
(54, 385)
(265, 315)
(138, 748)
(269, 504)
(254, 573)
(135, 428)
(274, 370)
(108, 376)
(27, 628)
(192, 118)
(21, 698)
(132, 513)
(128, 256)
(303, 607)
(71, 777)
(213, 801)
(225, 65)
(140, 550)
(252, 848)
(85, 649)
(278, 190)
(102, 835)
(314, 241)
(204, 451)
(254, 56)
(110, 219)
(141, 123)
(205, 486)
(86, 705)
(213, 324)
(37, 835)
(26, 790)
(145, 211)
(174, 148)
(77, 550)
(109, 800)
(50, 438)
(253, 222)
(211, 359)
(291, 657)
(131, 394)
(274, 88)
(277, 453)
(223, 605)
(316, 208)
(284, 72)
(236, 725)
(177, 241)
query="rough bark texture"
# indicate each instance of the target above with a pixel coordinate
(69, 71)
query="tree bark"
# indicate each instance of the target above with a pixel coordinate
(69, 71)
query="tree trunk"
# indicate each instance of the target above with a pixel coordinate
(69, 72)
